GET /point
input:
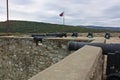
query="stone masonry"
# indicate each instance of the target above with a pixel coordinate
(20, 58)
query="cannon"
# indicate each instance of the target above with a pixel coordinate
(56, 35)
(74, 34)
(39, 35)
(90, 35)
(113, 57)
(38, 39)
(107, 48)
(107, 35)
(113, 66)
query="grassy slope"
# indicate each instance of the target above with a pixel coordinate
(38, 27)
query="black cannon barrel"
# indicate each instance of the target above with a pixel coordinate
(38, 35)
(107, 48)
(51, 34)
(57, 34)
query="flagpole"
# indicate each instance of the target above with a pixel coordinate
(64, 19)
(7, 22)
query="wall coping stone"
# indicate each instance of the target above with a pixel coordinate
(76, 66)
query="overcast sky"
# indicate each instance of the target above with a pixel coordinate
(77, 12)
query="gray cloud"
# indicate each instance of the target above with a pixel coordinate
(22, 2)
(77, 12)
(113, 12)
(2, 9)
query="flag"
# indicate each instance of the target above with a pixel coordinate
(61, 14)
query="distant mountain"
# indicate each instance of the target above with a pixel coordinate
(103, 28)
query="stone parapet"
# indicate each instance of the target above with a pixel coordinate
(84, 64)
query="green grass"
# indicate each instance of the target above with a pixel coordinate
(39, 27)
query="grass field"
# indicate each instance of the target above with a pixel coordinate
(39, 27)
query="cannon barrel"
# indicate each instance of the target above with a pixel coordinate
(113, 57)
(107, 48)
(39, 35)
(57, 34)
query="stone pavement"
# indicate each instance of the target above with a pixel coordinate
(113, 40)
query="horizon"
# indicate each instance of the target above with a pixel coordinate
(65, 24)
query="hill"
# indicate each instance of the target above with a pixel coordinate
(39, 27)
(103, 28)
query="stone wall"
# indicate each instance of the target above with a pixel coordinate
(84, 64)
(96, 72)
(20, 58)
(102, 34)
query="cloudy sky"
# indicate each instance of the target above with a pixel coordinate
(77, 12)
